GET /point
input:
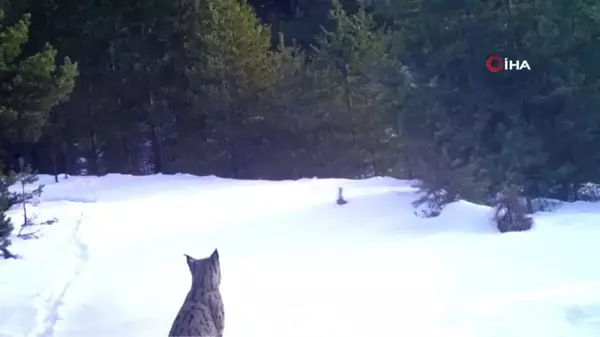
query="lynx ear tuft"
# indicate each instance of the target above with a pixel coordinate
(215, 255)
(190, 260)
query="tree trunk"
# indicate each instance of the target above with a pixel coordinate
(66, 157)
(230, 127)
(231, 147)
(54, 156)
(156, 149)
(93, 160)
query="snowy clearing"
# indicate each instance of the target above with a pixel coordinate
(296, 264)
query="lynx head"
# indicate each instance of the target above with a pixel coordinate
(206, 273)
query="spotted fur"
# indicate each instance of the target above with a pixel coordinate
(201, 314)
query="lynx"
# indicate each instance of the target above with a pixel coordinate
(202, 313)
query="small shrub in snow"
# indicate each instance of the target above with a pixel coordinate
(544, 205)
(431, 202)
(589, 192)
(511, 213)
(6, 226)
(30, 227)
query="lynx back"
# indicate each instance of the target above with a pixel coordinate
(202, 313)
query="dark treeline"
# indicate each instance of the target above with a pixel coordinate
(297, 88)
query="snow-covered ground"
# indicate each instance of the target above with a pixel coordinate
(296, 264)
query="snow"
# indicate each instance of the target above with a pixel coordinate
(296, 264)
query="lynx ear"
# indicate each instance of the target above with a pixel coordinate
(215, 255)
(190, 261)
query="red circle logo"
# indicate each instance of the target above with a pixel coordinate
(494, 64)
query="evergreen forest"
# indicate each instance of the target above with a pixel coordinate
(302, 88)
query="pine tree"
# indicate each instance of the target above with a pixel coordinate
(477, 129)
(355, 70)
(6, 201)
(30, 85)
(231, 67)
